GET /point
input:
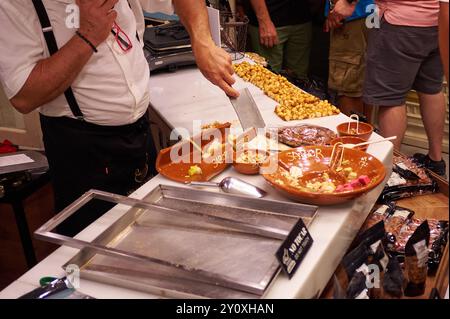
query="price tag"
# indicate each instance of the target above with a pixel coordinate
(294, 248)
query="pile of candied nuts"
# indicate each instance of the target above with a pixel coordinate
(294, 104)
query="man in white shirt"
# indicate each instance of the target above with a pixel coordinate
(90, 82)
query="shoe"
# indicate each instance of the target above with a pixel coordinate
(423, 160)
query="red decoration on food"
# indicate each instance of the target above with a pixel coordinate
(355, 183)
(364, 179)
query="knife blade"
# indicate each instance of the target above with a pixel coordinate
(247, 110)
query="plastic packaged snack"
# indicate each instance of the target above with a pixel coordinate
(379, 260)
(437, 247)
(416, 260)
(393, 279)
(355, 259)
(373, 234)
(437, 228)
(407, 180)
(357, 288)
(379, 214)
(370, 258)
(395, 223)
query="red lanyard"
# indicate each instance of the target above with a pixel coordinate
(122, 38)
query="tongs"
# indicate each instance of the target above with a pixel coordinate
(56, 286)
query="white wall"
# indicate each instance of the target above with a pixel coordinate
(9, 117)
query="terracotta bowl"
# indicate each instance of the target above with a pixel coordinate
(314, 161)
(248, 168)
(178, 170)
(364, 130)
(351, 140)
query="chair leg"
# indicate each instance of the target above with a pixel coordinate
(24, 233)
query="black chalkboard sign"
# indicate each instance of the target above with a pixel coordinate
(294, 248)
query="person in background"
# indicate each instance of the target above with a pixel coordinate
(280, 31)
(403, 54)
(347, 61)
(443, 34)
(90, 83)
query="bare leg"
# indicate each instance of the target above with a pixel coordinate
(368, 110)
(432, 108)
(392, 121)
(348, 104)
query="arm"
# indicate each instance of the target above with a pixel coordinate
(267, 31)
(342, 10)
(52, 76)
(443, 36)
(213, 62)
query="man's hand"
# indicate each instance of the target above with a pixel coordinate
(341, 11)
(96, 19)
(213, 62)
(215, 65)
(344, 9)
(267, 33)
(333, 21)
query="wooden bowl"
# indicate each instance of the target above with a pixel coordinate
(314, 161)
(351, 140)
(248, 168)
(364, 130)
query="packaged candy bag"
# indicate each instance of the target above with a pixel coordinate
(393, 279)
(395, 223)
(416, 261)
(381, 213)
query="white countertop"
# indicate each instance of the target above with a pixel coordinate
(180, 98)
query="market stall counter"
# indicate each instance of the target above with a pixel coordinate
(179, 99)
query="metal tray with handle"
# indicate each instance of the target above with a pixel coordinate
(181, 242)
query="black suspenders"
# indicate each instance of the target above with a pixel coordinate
(53, 48)
(137, 35)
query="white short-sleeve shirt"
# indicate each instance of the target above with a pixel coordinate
(165, 6)
(111, 89)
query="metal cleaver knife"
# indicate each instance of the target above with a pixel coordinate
(247, 110)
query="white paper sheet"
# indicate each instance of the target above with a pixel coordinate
(15, 160)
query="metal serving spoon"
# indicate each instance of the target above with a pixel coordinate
(234, 185)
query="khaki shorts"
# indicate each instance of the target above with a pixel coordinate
(347, 58)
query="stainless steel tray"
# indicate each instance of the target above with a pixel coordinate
(182, 242)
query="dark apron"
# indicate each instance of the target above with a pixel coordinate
(85, 156)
